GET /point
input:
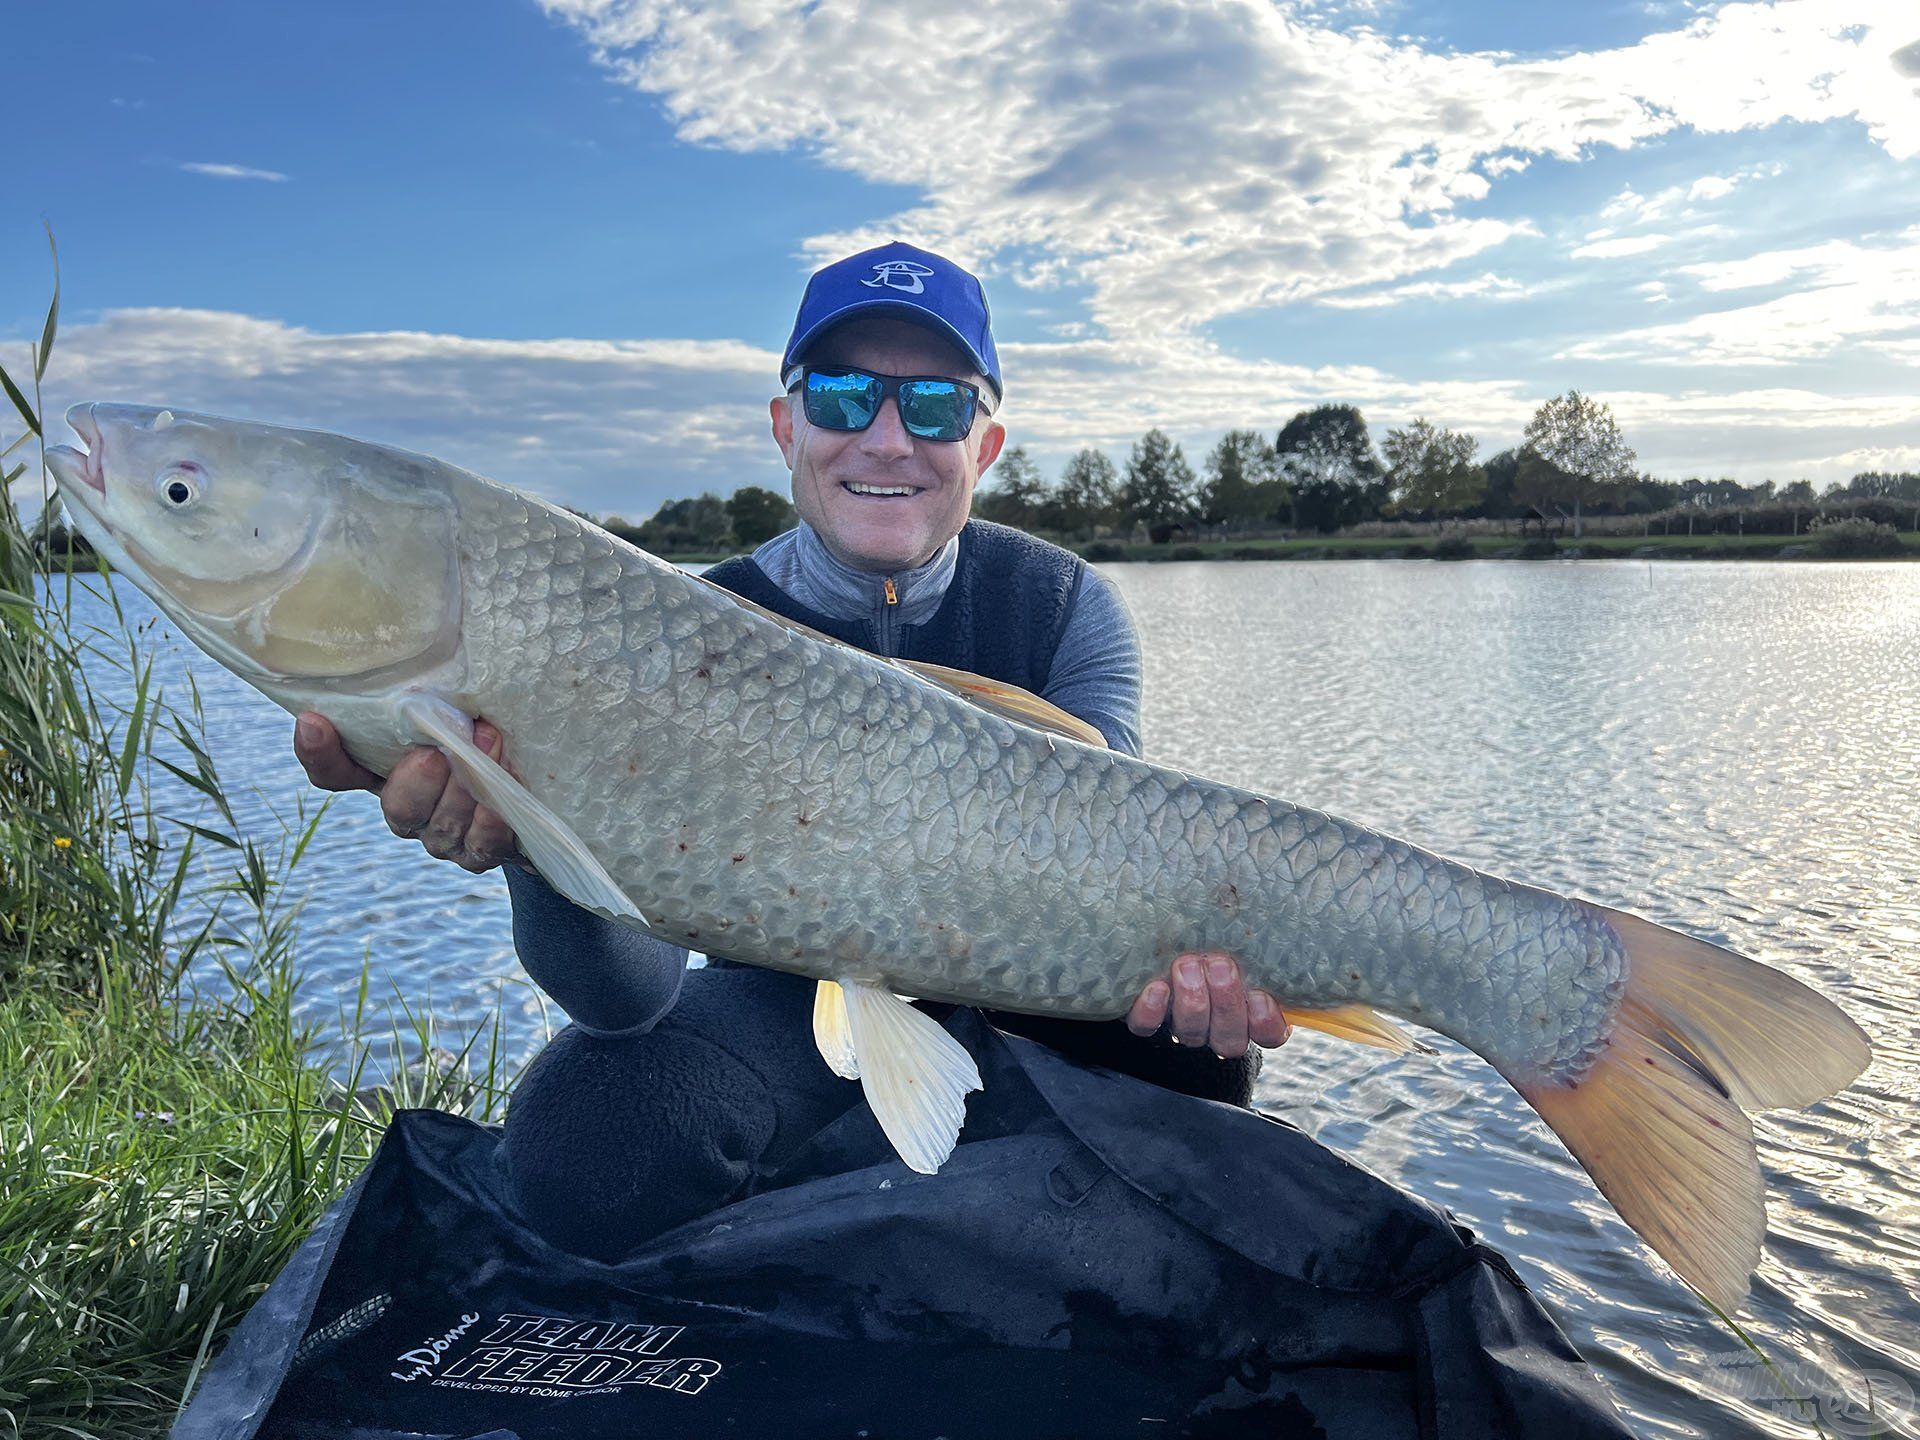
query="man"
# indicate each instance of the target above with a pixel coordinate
(886, 424)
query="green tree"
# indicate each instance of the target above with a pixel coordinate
(1017, 492)
(1243, 485)
(1159, 488)
(1326, 458)
(1431, 470)
(1583, 457)
(758, 514)
(698, 524)
(1087, 497)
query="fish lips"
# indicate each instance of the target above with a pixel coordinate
(79, 471)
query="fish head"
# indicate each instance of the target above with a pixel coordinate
(286, 554)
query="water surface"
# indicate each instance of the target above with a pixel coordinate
(1730, 748)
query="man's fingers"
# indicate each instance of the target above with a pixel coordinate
(412, 792)
(490, 840)
(446, 834)
(316, 745)
(1227, 1000)
(1149, 1012)
(1192, 1006)
(1267, 1024)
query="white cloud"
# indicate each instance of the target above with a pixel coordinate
(616, 427)
(1482, 287)
(1630, 208)
(1186, 162)
(1848, 294)
(1622, 246)
(229, 172)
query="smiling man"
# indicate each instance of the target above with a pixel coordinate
(886, 422)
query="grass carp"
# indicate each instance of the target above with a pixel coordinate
(722, 778)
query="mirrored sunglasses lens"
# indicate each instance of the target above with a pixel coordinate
(842, 402)
(936, 409)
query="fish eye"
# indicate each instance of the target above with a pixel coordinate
(179, 487)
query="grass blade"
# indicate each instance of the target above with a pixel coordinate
(53, 314)
(20, 402)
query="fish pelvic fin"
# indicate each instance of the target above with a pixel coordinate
(1361, 1024)
(1658, 1120)
(832, 1030)
(914, 1074)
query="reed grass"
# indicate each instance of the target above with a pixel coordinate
(169, 1127)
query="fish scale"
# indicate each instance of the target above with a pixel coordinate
(1083, 872)
(727, 780)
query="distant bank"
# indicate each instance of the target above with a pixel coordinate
(1885, 545)
(1486, 547)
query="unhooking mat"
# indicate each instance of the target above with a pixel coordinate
(1099, 1258)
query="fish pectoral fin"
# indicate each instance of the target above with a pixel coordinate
(556, 852)
(831, 1031)
(1361, 1024)
(916, 1076)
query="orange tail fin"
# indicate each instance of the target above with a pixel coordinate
(1658, 1120)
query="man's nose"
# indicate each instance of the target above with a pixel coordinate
(887, 438)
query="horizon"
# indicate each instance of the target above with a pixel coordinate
(561, 243)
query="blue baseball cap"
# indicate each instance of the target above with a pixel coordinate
(903, 280)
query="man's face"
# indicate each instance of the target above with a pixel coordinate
(885, 533)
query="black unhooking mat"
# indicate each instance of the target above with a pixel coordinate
(1099, 1258)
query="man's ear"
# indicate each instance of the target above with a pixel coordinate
(780, 411)
(991, 439)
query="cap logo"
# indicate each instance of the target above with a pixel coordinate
(902, 275)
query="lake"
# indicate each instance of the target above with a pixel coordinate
(1730, 748)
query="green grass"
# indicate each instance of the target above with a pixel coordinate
(169, 1130)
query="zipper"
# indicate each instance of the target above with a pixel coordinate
(883, 622)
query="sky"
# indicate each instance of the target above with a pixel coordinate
(561, 243)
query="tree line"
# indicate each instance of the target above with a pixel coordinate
(1322, 473)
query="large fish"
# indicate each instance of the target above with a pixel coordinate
(719, 777)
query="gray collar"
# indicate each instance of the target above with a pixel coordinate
(800, 564)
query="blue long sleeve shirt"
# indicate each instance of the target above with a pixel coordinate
(612, 980)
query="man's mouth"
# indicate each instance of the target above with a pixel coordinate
(855, 487)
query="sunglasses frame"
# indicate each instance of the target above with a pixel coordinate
(890, 390)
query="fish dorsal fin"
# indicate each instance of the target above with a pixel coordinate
(914, 1074)
(1361, 1024)
(556, 852)
(1008, 701)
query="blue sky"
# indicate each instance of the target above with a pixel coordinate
(561, 243)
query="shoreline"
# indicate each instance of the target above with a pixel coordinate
(1373, 547)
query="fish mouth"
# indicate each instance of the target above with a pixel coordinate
(80, 470)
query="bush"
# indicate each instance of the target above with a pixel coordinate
(1855, 537)
(1453, 547)
(1541, 547)
(1185, 552)
(1103, 550)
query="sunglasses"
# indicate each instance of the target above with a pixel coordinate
(932, 407)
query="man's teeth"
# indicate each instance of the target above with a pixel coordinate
(860, 489)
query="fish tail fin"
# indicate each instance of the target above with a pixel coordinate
(1658, 1120)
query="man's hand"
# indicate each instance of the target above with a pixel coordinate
(1210, 1006)
(420, 798)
